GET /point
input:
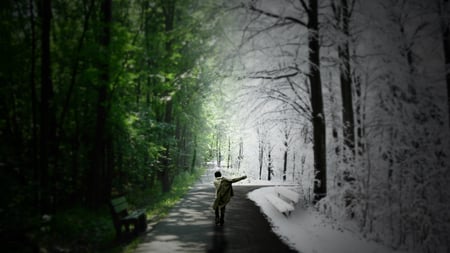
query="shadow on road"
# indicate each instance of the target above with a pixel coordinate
(189, 227)
(185, 228)
(219, 241)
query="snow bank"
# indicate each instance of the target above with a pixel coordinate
(310, 232)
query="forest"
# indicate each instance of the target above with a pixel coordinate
(349, 99)
(98, 98)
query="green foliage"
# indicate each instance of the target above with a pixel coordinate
(151, 118)
(80, 229)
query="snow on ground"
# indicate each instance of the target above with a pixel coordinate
(305, 230)
(310, 232)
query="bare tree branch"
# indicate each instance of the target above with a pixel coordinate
(305, 6)
(300, 98)
(270, 77)
(286, 99)
(274, 74)
(278, 16)
(276, 25)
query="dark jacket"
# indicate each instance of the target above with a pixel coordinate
(224, 190)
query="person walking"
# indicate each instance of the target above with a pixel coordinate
(224, 192)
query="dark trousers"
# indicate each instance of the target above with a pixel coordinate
(220, 215)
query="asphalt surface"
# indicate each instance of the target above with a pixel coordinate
(190, 227)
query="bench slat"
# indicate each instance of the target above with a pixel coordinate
(288, 194)
(118, 201)
(280, 205)
(136, 219)
(119, 204)
(121, 207)
(135, 214)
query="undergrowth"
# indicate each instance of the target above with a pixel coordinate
(83, 230)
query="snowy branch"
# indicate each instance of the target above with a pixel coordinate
(274, 74)
(278, 16)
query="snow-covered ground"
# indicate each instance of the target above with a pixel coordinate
(306, 230)
(310, 232)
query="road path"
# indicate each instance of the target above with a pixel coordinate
(189, 227)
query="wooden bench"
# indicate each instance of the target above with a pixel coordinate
(290, 196)
(279, 204)
(122, 218)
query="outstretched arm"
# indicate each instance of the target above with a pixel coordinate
(237, 179)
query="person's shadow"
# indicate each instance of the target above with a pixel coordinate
(219, 243)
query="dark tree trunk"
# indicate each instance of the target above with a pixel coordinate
(138, 92)
(34, 137)
(76, 157)
(47, 133)
(360, 147)
(269, 166)
(182, 150)
(446, 44)
(241, 153)
(97, 181)
(286, 149)
(320, 169)
(218, 151)
(164, 174)
(194, 155)
(293, 167)
(229, 153)
(285, 164)
(260, 158)
(75, 65)
(179, 133)
(334, 130)
(346, 81)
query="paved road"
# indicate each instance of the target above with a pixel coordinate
(190, 227)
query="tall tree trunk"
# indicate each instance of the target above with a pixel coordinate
(218, 151)
(169, 14)
(76, 155)
(261, 156)
(75, 66)
(183, 149)
(194, 155)
(241, 153)
(34, 137)
(359, 118)
(343, 18)
(445, 27)
(97, 185)
(293, 167)
(179, 132)
(229, 153)
(47, 133)
(285, 164)
(164, 174)
(286, 149)
(286, 133)
(138, 92)
(318, 117)
(269, 165)
(335, 123)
